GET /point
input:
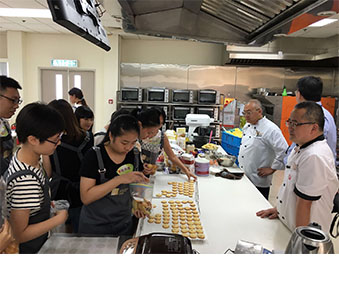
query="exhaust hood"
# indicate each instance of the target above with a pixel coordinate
(241, 22)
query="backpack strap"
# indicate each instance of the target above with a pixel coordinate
(21, 173)
(102, 169)
(78, 149)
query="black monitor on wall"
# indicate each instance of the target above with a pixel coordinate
(82, 18)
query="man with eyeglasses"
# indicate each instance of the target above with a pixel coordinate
(9, 102)
(310, 88)
(262, 147)
(310, 179)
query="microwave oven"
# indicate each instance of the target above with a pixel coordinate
(130, 94)
(208, 96)
(179, 113)
(182, 96)
(157, 95)
(211, 112)
(129, 107)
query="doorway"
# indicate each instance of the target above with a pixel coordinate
(55, 84)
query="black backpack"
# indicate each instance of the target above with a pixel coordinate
(72, 189)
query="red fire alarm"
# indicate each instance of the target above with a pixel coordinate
(110, 101)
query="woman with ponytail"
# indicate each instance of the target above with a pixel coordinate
(76, 98)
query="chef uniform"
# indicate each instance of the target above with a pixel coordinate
(262, 145)
(310, 174)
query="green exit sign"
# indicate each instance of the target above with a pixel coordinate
(64, 62)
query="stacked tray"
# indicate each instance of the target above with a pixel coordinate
(175, 208)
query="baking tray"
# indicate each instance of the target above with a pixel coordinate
(161, 184)
(146, 227)
(63, 244)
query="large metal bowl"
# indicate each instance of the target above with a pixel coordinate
(226, 161)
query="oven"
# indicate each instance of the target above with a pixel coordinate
(182, 96)
(157, 95)
(179, 113)
(209, 97)
(129, 107)
(130, 94)
(211, 112)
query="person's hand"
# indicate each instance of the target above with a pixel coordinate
(62, 215)
(147, 170)
(270, 213)
(139, 214)
(134, 177)
(6, 236)
(265, 171)
(190, 175)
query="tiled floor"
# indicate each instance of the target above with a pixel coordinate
(276, 183)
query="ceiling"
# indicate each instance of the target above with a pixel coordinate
(112, 19)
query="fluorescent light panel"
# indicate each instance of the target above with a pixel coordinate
(25, 13)
(323, 22)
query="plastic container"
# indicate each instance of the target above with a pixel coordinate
(202, 167)
(142, 197)
(188, 161)
(230, 143)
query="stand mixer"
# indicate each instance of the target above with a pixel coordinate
(194, 121)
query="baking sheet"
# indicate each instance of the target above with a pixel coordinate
(161, 184)
(158, 207)
(61, 244)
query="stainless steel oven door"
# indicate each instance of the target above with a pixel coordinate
(131, 95)
(179, 113)
(182, 96)
(157, 95)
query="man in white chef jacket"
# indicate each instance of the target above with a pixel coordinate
(310, 179)
(262, 148)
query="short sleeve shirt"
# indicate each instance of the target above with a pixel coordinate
(90, 165)
(311, 175)
(24, 192)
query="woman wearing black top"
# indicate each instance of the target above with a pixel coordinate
(66, 161)
(106, 173)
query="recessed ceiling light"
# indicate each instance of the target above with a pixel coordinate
(25, 12)
(279, 34)
(323, 22)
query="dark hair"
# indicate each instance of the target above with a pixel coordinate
(310, 88)
(149, 117)
(72, 128)
(122, 124)
(7, 82)
(121, 111)
(84, 112)
(78, 94)
(38, 120)
(314, 113)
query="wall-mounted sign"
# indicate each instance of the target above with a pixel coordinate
(64, 62)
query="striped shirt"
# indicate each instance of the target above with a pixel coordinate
(24, 192)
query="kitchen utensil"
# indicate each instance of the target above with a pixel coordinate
(309, 240)
(226, 161)
(158, 243)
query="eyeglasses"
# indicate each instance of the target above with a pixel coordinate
(293, 124)
(56, 142)
(249, 112)
(15, 101)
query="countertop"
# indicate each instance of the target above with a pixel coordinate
(228, 213)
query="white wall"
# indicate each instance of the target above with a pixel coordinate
(171, 52)
(3, 45)
(27, 52)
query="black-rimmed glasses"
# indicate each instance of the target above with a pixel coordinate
(15, 101)
(293, 124)
(56, 142)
